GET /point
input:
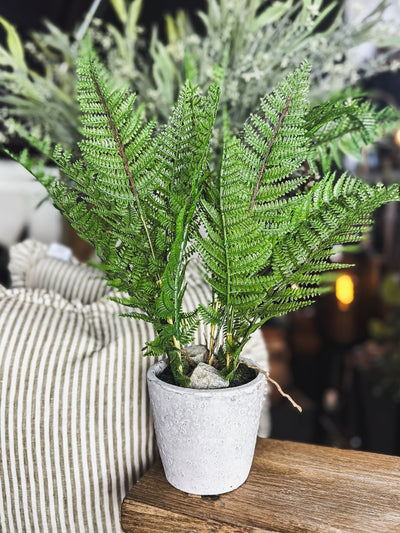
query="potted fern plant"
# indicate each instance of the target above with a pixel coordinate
(147, 199)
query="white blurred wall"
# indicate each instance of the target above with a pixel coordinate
(20, 195)
(356, 10)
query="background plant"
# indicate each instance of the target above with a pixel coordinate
(43, 95)
(141, 192)
(257, 45)
(260, 43)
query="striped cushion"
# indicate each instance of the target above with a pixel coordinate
(31, 267)
(75, 425)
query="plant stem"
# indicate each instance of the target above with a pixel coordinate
(228, 346)
(269, 148)
(228, 274)
(177, 345)
(212, 338)
(79, 34)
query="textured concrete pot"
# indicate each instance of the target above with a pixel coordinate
(206, 438)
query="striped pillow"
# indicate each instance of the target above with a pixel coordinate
(75, 425)
(31, 267)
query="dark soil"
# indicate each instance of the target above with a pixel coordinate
(166, 376)
(243, 375)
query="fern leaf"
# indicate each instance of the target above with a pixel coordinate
(344, 125)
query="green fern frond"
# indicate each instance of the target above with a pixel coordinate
(269, 240)
(345, 125)
(335, 211)
(277, 138)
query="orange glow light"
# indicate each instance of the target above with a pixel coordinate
(344, 291)
(397, 137)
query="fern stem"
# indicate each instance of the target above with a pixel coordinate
(122, 154)
(268, 151)
(228, 285)
(176, 284)
(212, 338)
(228, 347)
(177, 345)
(148, 238)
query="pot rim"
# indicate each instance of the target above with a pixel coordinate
(156, 368)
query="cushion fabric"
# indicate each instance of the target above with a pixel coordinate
(75, 424)
(31, 267)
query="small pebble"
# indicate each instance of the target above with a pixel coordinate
(196, 352)
(205, 376)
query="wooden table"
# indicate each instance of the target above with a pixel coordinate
(292, 488)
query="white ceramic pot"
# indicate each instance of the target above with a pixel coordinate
(206, 438)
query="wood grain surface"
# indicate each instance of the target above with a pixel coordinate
(292, 488)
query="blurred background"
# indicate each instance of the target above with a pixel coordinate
(339, 358)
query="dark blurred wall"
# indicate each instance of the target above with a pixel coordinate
(27, 15)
